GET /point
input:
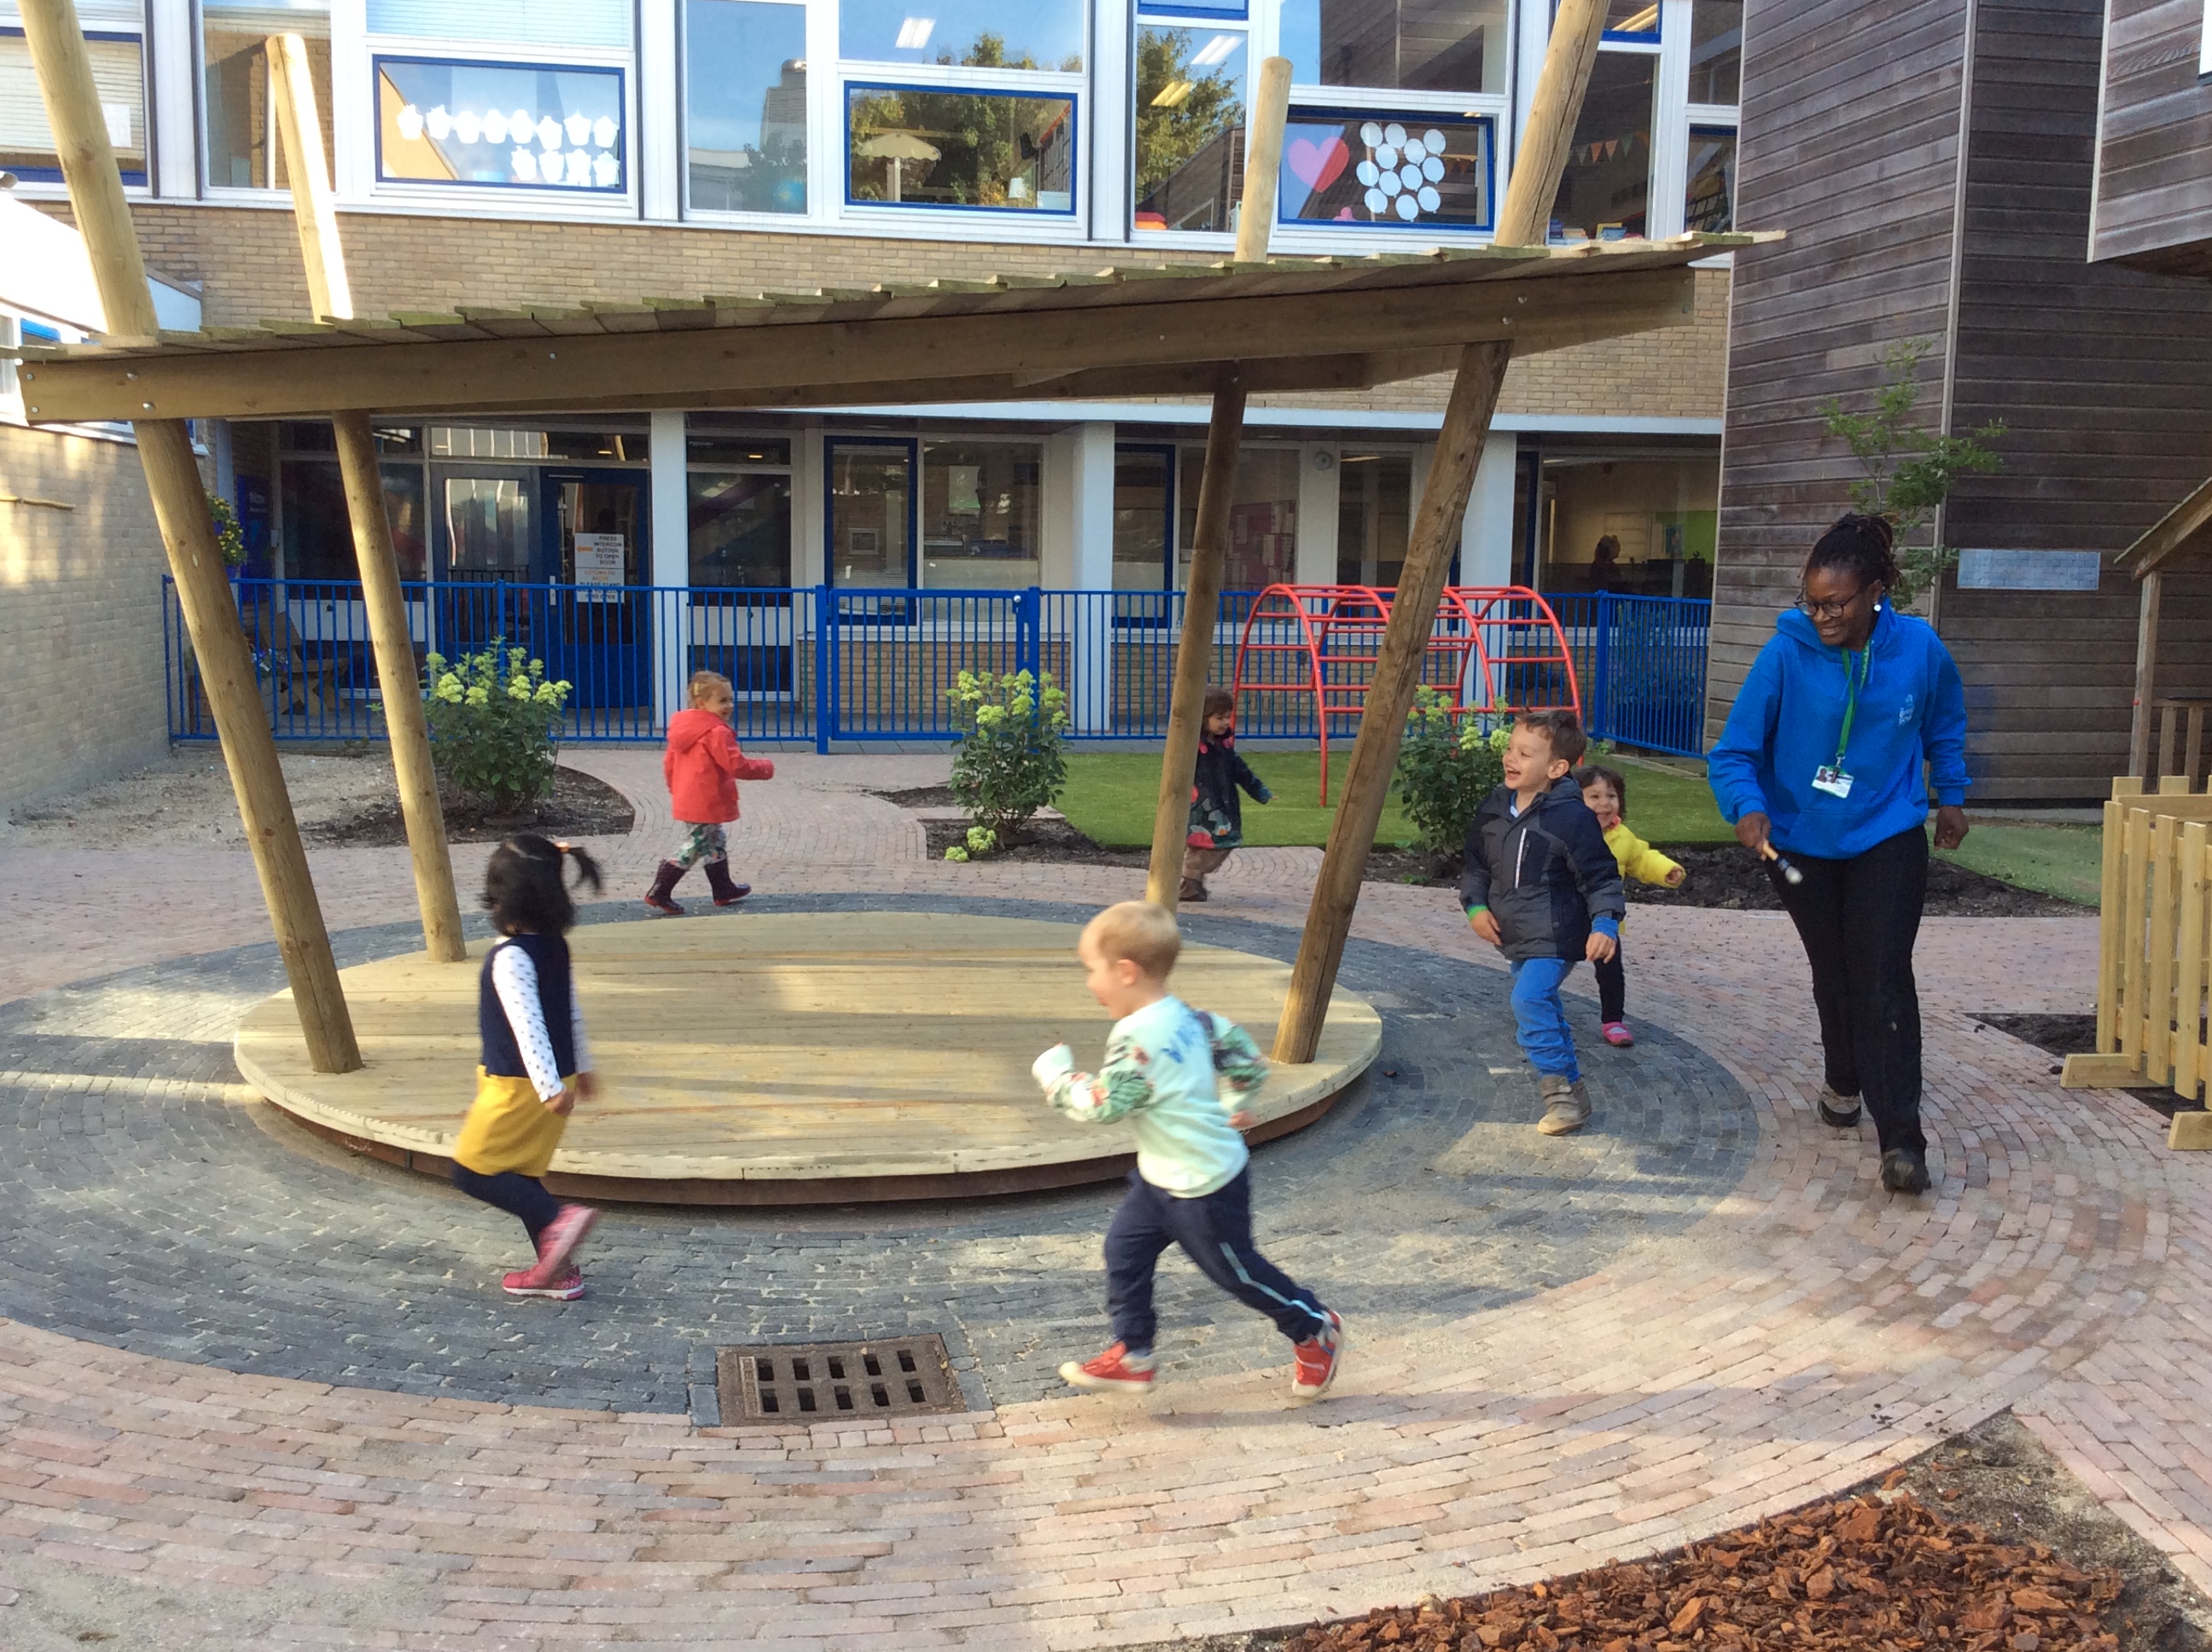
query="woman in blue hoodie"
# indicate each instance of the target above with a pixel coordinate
(1823, 757)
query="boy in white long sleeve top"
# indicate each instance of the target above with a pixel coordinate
(1177, 1074)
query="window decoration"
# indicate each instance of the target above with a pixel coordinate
(1709, 205)
(1189, 128)
(1045, 34)
(1605, 194)
(27, 143)
(745, 106)
(241, 150)
(1348, 167)
(1416, 46)
(603, 25)
(936, 147)
(525, 125)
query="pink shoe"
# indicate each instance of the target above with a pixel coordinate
(561, 1283)
(1117, 1369)
(561, 1236)
(1618, 1035)
(1314, 1362)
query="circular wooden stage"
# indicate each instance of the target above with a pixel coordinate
(789, 1058)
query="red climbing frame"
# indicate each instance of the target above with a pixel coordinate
(1494, 648)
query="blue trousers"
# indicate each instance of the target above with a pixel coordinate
(1215, 1232)
(1539, 1019)
(521, 1197)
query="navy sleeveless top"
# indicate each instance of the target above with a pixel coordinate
(502, 1052)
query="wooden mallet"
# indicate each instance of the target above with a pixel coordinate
(1790, 873)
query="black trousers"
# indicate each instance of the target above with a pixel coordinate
(1215, 1232)
(1612, 988)
(521, 1197)
(1858, 919)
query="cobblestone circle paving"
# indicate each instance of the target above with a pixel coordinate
(150, 1201)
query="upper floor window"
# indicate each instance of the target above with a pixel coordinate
(603, 25)
(114, 36)
(534, 125)
(241, 149)
(1709, 205)
(1353, 167)
(745, 106)
(1717, 50)
(971, 34)
(1605, 194)
(1189, 147)
(1417, 45)
(1631, 20)
(939, 147)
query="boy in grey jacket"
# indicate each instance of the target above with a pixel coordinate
(1540, 885)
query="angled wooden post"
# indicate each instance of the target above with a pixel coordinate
(315, 213)
(1225, 434)
(1263, 158)
(2139, 764)
(172, 477)
(1523, 221)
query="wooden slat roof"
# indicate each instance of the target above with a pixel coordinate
(2179, 533)
(1165, 329)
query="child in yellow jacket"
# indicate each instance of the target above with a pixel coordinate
(1606, 793)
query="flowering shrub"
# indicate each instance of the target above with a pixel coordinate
(1450, 763)
(495, 724)
(1011, 760)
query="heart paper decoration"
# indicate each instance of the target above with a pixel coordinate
(1316, 164)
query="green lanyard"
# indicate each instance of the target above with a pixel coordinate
(1853, 684)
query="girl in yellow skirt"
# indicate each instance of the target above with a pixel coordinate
(537, 1065)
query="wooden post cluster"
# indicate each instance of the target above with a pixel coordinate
(1524, 221)
(315, 214)
(172, 477)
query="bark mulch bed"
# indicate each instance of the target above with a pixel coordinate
(581, 805)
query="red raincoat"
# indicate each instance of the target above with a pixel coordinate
(703, 766)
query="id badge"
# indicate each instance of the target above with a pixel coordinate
(1833, 781)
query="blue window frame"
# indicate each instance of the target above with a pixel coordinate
(120, 89)
(1375, 170)
(943, 147)
(1193, 9)
(502, 125)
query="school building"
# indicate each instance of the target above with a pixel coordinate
(501, 155)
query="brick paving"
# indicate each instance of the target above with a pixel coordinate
(1772, 1335)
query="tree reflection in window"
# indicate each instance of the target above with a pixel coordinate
(1191, 128)
(919, 146)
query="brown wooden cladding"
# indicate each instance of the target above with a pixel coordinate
(2098, 372)
(2154, 183)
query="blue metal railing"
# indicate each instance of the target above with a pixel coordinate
(825, 665)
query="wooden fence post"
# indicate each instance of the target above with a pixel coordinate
(1523, 221)
(315, 214)
(172, 477)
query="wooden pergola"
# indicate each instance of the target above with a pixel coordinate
(1225, 329)
(2166, 736)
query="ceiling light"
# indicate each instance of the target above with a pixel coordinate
(1172, 94)
(913, 33)
(1216, 51)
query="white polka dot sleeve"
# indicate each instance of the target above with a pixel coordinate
(515, 978)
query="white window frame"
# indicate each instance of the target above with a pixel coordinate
(942, 223)
(1179, 239)
(202, 183)
(815, 213)
(100, 27)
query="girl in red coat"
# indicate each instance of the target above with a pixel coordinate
(703, 766)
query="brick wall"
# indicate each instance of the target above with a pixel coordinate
(249, 260)
(80, 614)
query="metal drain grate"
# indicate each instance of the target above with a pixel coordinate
(824, 1382)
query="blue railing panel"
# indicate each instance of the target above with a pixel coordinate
(826, 663)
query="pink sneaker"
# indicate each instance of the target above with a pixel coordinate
(1618, 1035)
(1316, 1361)
(1116, 1370)
(561, 1283)
(562, 1234)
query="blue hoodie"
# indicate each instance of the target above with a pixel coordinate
(1787, 718)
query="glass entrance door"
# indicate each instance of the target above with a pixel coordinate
(595, 521)
(870, 519)
(484, 548)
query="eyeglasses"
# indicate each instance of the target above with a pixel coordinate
(1832, 610)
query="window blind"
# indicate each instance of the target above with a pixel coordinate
(600, 23)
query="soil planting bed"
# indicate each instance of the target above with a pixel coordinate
(1986, 1544)
(1040, 839)
(922, 796)
(2076, 1034)
(581, 805)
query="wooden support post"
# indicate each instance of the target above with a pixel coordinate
(172, 477)
(1263, 158)
(1225, 434)
(398, 678)
(1523, 221)
(2145, 675)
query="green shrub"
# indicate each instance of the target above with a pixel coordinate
(495, 725)
(1450, 763)
(1011, 760)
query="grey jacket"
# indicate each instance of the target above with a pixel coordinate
(1546, 875)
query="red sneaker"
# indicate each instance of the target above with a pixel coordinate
(1117, 1369)
(562, 1234)
(1314, 1362)
(1618, 1035)
(561, 1283)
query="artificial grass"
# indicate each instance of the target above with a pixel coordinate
(2067, 861)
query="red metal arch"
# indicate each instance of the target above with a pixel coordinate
(1495, 649)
